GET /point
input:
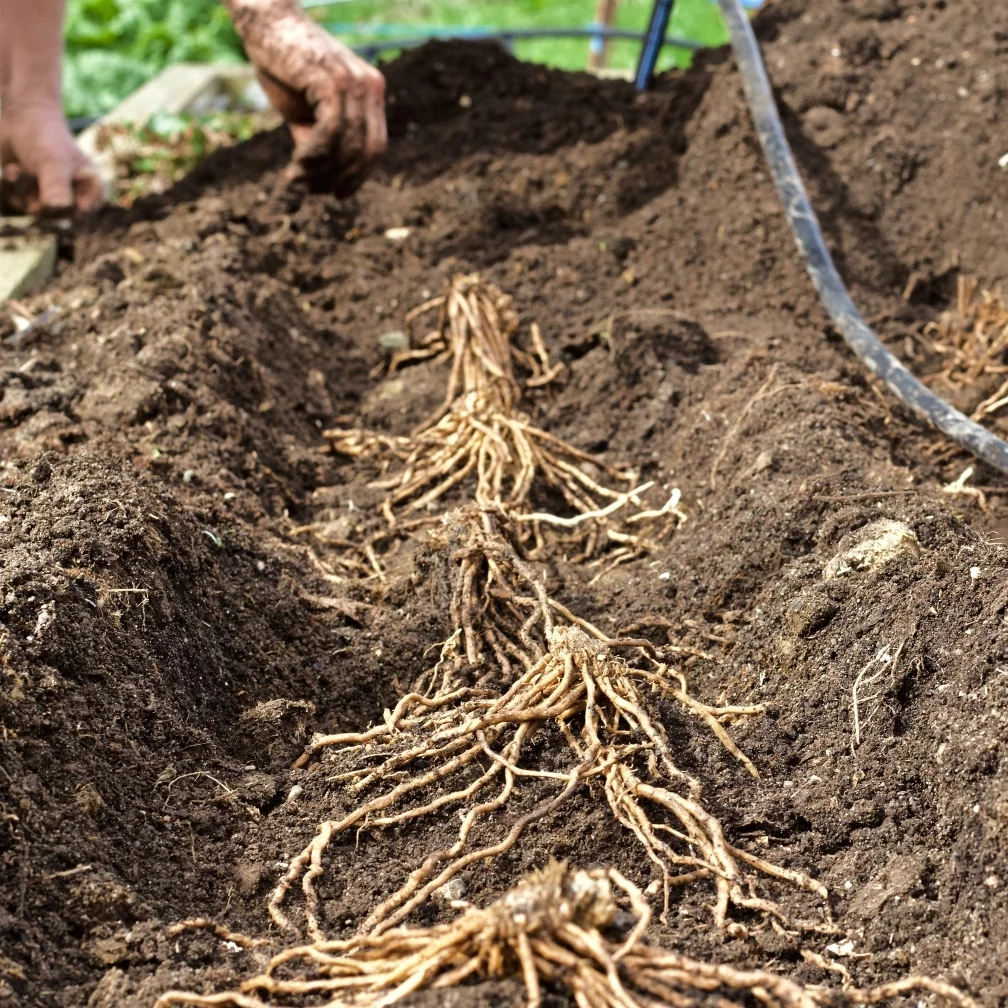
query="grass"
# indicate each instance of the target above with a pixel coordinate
(114, 46)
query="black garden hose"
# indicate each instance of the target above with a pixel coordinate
(805, 227)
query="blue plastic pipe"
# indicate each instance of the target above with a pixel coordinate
(654, 38)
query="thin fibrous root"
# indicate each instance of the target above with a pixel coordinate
(468, 749)
(492, 446)
(973, 339)
(556, 928)
(217, 930)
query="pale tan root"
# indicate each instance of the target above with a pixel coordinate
(218, 930)
(465, 749)
(556, 927)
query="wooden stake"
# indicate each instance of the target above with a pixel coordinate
(598, 50)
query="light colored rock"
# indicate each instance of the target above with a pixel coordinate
(451, 891)
(395, 340)
(872, 548)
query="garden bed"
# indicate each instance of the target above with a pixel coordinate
(181, 613)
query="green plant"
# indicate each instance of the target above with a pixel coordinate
(151, 156)
(114, 46)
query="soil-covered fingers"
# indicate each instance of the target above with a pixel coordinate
(348, 130)
(363, 108)
(44, 171)
(86, 188)
(332, 100)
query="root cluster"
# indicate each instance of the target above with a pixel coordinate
(557, 926)
(464, 748)
(480, 437)
(501, 449)
(527, 705)
(973, 339)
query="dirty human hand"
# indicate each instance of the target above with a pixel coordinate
(43, 169)
(333, 101)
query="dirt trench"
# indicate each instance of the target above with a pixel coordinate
(170, 638)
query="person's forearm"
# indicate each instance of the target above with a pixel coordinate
(31, 53)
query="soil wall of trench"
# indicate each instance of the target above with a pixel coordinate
(163, 650)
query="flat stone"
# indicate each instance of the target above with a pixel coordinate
(26, 260)
(900, 876)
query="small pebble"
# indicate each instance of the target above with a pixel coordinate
(394, 340)
(451, 891)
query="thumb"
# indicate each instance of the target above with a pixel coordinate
(54, 187)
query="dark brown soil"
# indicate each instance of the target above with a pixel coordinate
(167, 644)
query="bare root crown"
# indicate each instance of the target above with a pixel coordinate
(479, 437)
(555, 927)
(496, 601)
(462, 746)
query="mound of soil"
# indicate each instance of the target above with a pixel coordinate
(171, 631)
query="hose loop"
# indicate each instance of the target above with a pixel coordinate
(805, 227)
